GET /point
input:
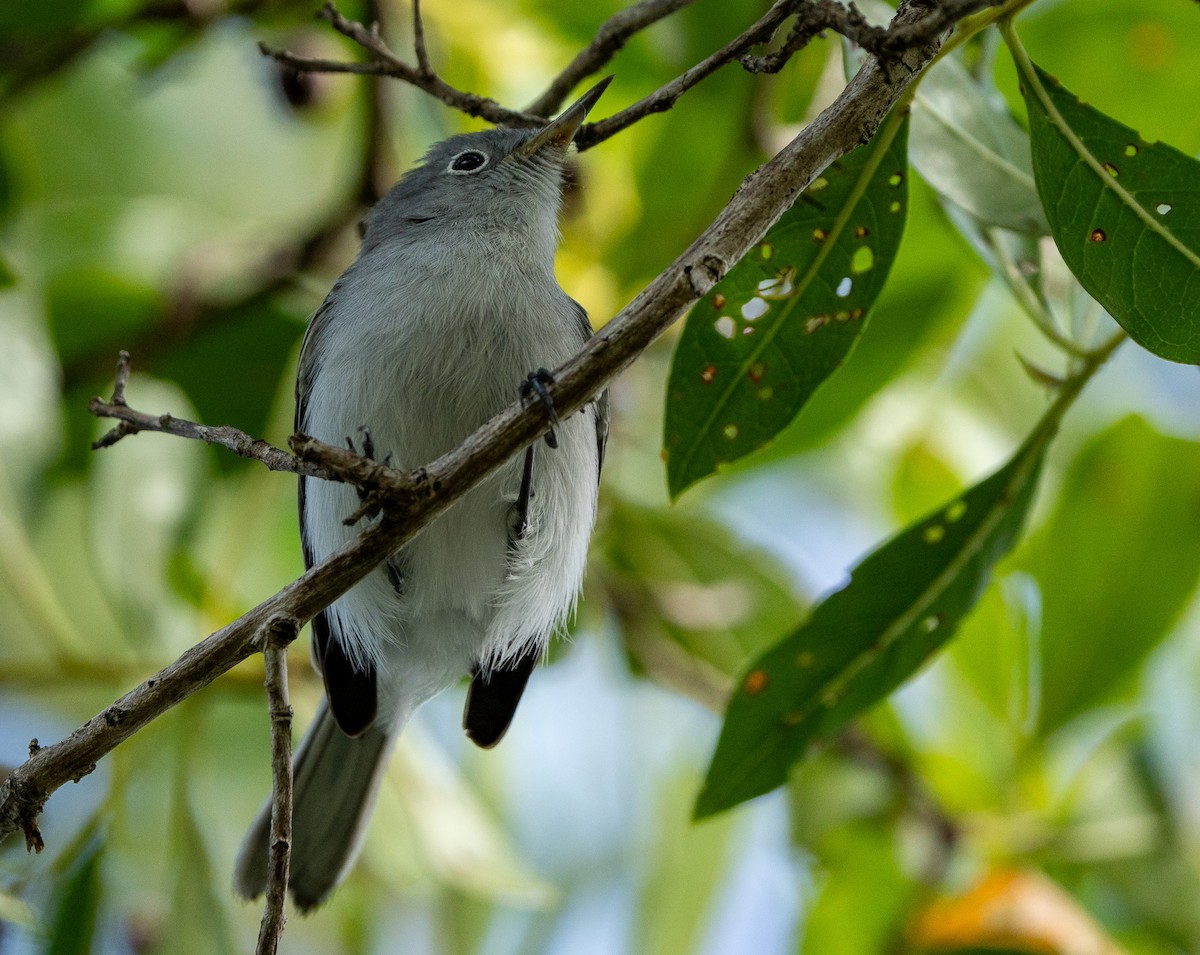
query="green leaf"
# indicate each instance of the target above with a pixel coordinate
(1122, 212)
(72, 917)
(1115, 562)
(861, 863)
(687, 867)
(920, 308)
(232, 368)
(682, 577)
(45, 17)
(966, 145)
(16, 911)
(902, 603)
(91, 308)
(760, 343)
(199, 920)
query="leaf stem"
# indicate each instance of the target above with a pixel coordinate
(1033, 302)
(969, 26)
(1090, 361)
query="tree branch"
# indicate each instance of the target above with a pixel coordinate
(414, 499)
(312, 458)
(812, 17)
(386, 63)
(279, 853)
(667, 95)
(609, 39)
(886, 43)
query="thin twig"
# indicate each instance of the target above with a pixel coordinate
(387, 63)
(942, 16)
(312, 458)
(801, 33)
(240, 443)
(888, 45)
(421, 496)
(667, 95)
(609, 39)
(275, 644)
(419, 41)
(916, 799)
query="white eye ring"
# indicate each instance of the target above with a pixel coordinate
(455, 169)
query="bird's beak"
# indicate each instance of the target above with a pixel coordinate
(560, 131)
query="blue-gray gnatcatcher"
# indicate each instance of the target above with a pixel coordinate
(451, 304)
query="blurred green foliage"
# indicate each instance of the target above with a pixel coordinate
(160, 192)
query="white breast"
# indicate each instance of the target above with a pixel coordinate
(423, 348)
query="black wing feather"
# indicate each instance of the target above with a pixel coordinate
(492, 700)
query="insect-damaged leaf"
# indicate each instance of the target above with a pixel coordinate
(1123, 212)
(902, 603)
(761, 342)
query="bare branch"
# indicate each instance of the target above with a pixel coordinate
(802, 31)
(279, 853)
(942, 15)
(415, 499)
(312, 458)
(609, 39)
(666, 96)
(386, 63)
(816, 16)
(419, 41)
(813, 16)
(131, 422)
(313, 64)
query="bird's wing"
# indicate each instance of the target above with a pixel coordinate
(601, 402)
(351, 691)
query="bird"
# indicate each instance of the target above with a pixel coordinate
(450, 310)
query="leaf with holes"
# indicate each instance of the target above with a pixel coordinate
(760, 343)
(903, 602)
(1124, 213)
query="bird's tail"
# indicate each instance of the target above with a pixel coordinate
(336, 779)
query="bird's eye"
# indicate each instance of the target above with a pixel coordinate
(470, 161)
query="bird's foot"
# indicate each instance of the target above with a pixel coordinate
(367, 442)
(534, 385)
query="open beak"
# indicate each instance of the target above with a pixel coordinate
(560, 131)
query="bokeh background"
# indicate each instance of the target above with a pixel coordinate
(166, 189)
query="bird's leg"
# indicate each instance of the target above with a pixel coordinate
(395, 574)
(535, 384)
(521, 515)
